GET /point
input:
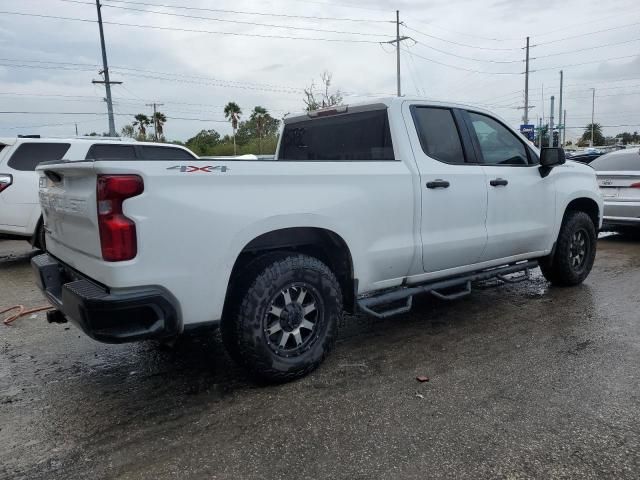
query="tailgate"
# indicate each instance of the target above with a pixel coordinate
(620, 186)
(68, 199)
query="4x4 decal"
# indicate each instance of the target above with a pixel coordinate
(205, 169)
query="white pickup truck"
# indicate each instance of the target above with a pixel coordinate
(362, 208)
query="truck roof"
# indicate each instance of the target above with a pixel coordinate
(382, 102)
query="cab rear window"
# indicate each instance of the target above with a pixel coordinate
(28, 155)
(111, 152)
(349, 137)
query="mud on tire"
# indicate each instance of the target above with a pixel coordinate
(284, 316)
(575, 251)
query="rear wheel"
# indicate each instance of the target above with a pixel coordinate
(39, 240)
(285, 319)
(575, 251)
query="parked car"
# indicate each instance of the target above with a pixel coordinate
(619, 180)
(363, 207)
(20, 214)
(586, 157)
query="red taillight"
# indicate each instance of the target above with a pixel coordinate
(5, 181)
(117, 232)
(635, 185)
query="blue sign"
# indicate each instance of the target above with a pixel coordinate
(528, 131)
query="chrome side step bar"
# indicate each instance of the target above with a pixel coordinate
(406, 294)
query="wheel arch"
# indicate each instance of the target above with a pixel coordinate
(322, 243)
(586, 205)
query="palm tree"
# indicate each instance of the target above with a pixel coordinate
(258, 115)
(142, 122)
(232, 113)
(593, 134)
(159, 119)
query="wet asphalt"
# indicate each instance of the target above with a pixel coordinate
(525, 381)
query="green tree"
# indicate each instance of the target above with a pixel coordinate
(323, 97)
(159, 119)
(261, 126)
(232, 112)
(142, 122)
(598, 138)
(128, 131)
(204, 142)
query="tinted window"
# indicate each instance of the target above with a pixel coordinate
(354, 136)
(165, 153)
(111, 152)
(438, 134)
(28, 155)
(499, 146)
(629, 161)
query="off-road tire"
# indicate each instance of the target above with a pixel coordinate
(39, 239)
(244, 329)
(558, 267)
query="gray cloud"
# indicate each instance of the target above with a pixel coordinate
(267, 68)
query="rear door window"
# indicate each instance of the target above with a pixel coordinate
(28, 155)
(107, 151)
(438, 133)
(348, 137)
(622, 161)
(165, 153)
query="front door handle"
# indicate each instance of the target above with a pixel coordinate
(498, 182)
(439, 183)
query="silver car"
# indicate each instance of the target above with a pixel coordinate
(619, 180)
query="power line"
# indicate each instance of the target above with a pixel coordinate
(584, 63)
(586, 34)
(51, 124)
(123, 70)
(458, 43)
(462, 68)
(239, 22)
(586, 48)
(241, 12)
(444, 52)
(102, 113)
(191, 30)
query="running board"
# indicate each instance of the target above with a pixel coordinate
(406, 294)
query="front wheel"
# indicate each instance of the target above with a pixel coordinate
(575, 251)
(286, 318)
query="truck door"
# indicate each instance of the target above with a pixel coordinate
(521, 203)
(452, 186)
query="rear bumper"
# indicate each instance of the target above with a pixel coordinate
(128, 315)
(621, 213)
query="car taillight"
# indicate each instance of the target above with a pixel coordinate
(117, 232)
(5, 181)
(635, 185)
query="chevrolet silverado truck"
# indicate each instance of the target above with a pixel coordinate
(362, 208)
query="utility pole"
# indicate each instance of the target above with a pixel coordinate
(155, 119)
(551, 122)
(540, 133)
(76, 129)
(397, 43)
(593, 110)
(564, 129)
(560, 107)
(525, 119)
(105, 70)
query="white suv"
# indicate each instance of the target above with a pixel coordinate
(20, 214)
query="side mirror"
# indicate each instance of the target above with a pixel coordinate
(551, 157)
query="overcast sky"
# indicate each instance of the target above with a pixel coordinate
(462, 50)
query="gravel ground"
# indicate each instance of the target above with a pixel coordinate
(526, 381)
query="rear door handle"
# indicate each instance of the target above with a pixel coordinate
(439, 183)
(498, 182)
